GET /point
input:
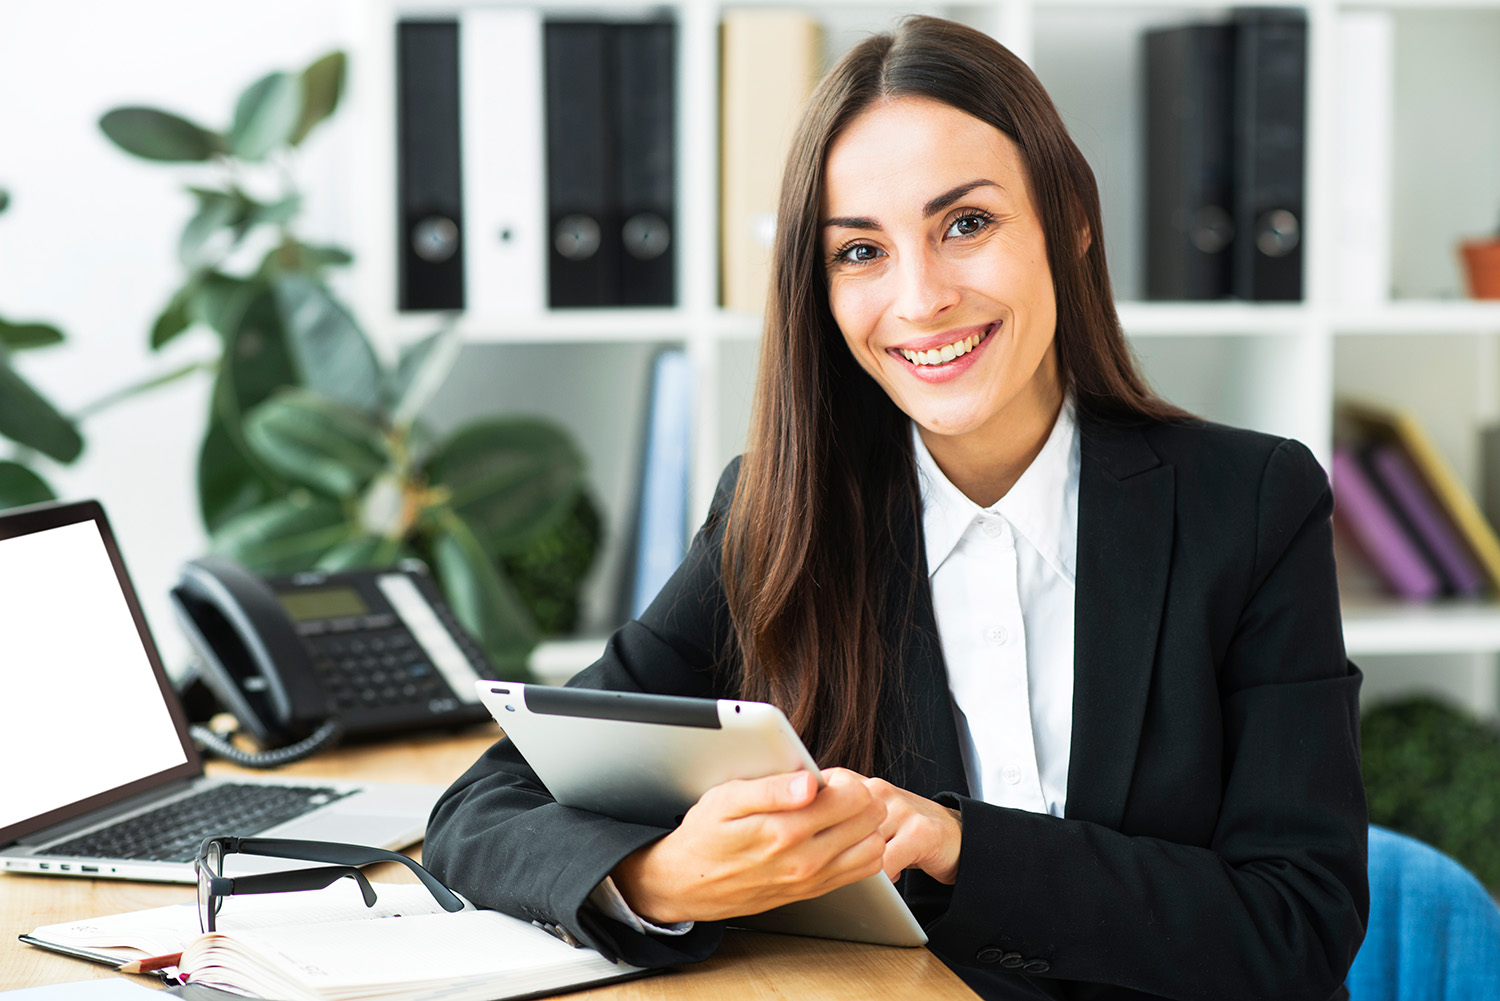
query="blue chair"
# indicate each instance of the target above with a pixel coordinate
(1434, 931)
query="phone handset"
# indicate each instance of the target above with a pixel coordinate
(266, 677)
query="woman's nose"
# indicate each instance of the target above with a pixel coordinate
(925, 291)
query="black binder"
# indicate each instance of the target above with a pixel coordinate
(429, 166)
(1189, 160)
(1270, 123)
(645, 111)
(582, 202)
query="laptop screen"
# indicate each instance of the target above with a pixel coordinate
(83, 713)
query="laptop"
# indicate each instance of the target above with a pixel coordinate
(102, 778)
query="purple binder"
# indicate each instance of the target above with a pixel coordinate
(1358, 506)
(1405, 485)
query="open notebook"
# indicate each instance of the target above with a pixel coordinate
(320, 945)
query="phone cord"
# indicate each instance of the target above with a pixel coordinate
(324, 736)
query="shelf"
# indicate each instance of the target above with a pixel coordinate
(1457, 316)
(555, 327)
(1212, 319)
(1394, 628)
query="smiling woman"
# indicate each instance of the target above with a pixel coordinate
(1071, 658)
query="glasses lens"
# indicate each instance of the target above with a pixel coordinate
(208, 866)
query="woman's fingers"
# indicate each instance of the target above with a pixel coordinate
(772, 794)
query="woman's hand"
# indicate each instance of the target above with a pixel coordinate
(750, 845)
(918, 832)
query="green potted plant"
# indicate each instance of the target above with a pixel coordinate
(313, 454)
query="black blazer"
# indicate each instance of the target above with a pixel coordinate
(1214, 839)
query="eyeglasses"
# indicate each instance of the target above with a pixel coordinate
(214, 886)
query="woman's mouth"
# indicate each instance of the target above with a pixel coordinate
(948, 352)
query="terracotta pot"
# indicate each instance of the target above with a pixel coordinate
(1482, 266)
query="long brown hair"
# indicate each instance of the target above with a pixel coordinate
(827, 479)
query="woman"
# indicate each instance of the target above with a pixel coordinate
(1073, 659)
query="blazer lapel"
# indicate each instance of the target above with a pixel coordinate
(1125, 517)
(925, 758)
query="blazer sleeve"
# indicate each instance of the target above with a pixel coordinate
(1274, 904)
(500, 839)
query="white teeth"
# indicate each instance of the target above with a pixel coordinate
(938, 356)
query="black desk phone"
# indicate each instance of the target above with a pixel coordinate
(371, 651)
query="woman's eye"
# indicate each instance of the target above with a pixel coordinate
(968, 225)
(859, 253)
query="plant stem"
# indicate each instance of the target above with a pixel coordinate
(135, 389)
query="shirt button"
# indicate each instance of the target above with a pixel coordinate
(998, 635)
(1011, 774)
(993, 528)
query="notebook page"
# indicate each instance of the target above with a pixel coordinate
(480, 954)
(162, 930)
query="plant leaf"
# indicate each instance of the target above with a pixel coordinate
(21, 336)
(483, 599)
(176, 317)
(265, 115)
(19, 485)
(286, 535)
(322, 86)
(222, 301)
(4, 199)
(273, 213)
(317, 442)
(511, 479)
(362, 551)
(205, 238)
(331, 353)
(229, 482)
(160, 135)
(28, 419)
(420, 373)
(291, 256)
(256, 358)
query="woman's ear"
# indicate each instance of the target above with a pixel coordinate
(1085, 240)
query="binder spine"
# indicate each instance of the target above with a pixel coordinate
(504, 172)
(645, 110)
(429, 166)
(583, 211)
(1189, 150)
(1270, 122)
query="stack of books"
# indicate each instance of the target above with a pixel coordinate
(1406, 512)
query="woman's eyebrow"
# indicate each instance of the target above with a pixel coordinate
(952, 195)
(932, 208)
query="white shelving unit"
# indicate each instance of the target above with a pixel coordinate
(1278, 367)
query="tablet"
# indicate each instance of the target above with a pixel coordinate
(648, 758)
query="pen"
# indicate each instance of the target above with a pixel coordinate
(151, 964)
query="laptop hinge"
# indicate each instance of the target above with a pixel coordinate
(104, 815)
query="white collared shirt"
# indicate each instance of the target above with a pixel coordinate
(1002, 587)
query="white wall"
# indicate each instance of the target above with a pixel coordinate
(88, 243)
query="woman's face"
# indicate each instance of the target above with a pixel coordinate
(937, 270)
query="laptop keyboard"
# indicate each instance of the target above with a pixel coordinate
(173, 833)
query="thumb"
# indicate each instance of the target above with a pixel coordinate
(772, 794)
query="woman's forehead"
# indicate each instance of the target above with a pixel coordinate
(908, 150)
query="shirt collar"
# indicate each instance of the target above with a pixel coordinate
(1042, 506)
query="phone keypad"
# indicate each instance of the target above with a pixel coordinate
(371, 669)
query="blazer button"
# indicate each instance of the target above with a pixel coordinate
(1011, 960)
(989, 954)
(1036, 966)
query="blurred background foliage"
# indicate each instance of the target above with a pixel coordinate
(1432, 771)
(313, 454)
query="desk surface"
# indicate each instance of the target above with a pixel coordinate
(747, 966)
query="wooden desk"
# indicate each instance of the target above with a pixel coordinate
(748, 965)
